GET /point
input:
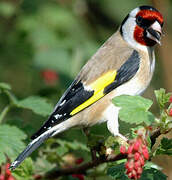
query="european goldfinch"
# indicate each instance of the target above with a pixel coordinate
(124, 64)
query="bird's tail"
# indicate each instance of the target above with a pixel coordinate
(31, 147)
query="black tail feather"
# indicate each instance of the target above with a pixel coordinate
(30, 148)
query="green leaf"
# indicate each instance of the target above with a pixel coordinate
(165, 147)
(37, 104)
(62, 150)
(7, 9)
(43, 166)
(162, 97)
(152, 174)
(126, 101)
(117, 172)
(134, 109)
(5, 86)
(75, 145)
(25, 170)
(11, 142)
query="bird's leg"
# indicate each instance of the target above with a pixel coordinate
(86, 131)
(92, 149)
(112, 123)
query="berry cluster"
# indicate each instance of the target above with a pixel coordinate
(137, 153)
(6, 173)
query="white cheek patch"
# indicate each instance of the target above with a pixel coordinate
(128, 34)
(128, 29)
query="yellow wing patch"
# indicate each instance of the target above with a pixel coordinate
(98, 87)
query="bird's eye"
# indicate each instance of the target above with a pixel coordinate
(139, 19)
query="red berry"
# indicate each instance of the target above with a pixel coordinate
(138, 176)
(136, 156)
(170, 100)
(11, 178)
(130, 175)
(137, 144)
(127, 165)
(145, 153)
(2, 177)
(122, 149)
(137, 165)
(130, 149)
(142, 162)
(78, 176)
(139, 170)
(50, 76)
(79, 161)
(129, 170)
(7, 171)
(170, 112)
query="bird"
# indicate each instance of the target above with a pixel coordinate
(124, 64)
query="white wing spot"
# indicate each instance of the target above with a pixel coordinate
(61, 104)
(58, 116)
(14, 163)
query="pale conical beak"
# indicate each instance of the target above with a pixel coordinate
(154, 32)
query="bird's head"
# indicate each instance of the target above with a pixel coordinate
(142, 27)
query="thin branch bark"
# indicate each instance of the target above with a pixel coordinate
(155, 135)
(83, 168)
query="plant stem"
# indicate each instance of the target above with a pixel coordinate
(4, 112)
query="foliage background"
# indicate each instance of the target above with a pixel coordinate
(61, 35)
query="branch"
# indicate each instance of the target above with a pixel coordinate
(155, 135)
(99, 160)
(83, 168)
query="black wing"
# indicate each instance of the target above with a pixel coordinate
(73, 97)
(125, 72)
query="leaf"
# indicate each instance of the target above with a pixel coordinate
(161, 97)
(11, 142)
(152, 174)
(7, 9)
(72, 145)
(5, 86)
(62, 150)
(25, 170)
(117, 172)
(37, 104)
(134, 109)
(43, 166)
(150, 165)
(132, 102)
(165, 147)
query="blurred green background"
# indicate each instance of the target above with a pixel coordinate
(44, 44)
